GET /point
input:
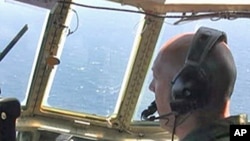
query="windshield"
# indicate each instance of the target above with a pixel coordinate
(94, 60)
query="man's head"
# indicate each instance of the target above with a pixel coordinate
(218, 64)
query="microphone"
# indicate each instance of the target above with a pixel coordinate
(147, 114)
(152, 118)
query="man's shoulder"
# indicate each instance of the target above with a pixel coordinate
(216, 131)
(209, 133)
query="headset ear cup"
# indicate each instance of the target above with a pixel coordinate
(189, 89)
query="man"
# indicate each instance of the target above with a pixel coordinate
(208, 121)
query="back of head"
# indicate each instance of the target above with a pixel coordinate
(221, 69)
(211, 77)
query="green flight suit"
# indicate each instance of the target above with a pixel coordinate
(216, 131)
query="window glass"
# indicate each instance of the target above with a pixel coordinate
(237, 32)
(15, 67)
(94, 59)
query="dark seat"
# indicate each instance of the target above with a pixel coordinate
(10, 109)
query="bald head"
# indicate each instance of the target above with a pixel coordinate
(218, 65)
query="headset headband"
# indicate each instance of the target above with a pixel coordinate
(203, 41)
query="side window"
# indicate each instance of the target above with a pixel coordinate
(16, 66)
(237, 42)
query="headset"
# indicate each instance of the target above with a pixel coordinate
(191, 85)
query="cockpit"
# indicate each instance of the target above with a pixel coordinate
(81, 68)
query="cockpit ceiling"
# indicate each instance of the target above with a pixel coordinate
(157, 6)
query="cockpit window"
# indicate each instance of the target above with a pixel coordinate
(238, 36)
(16, 66)
(94, 59)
